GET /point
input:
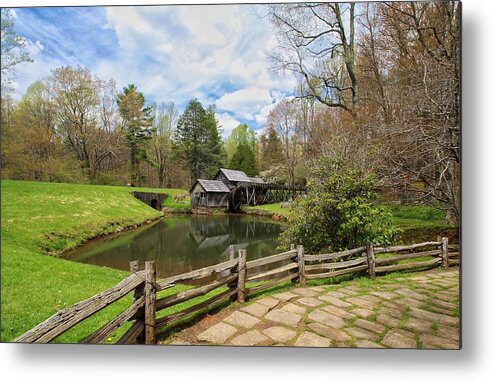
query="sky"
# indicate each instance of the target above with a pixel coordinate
(215, 53)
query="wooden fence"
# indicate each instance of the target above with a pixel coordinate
(235, 279)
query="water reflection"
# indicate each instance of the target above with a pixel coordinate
(185, 243)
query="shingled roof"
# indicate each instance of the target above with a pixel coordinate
(257, 180)
(213, 186)
(235, 175)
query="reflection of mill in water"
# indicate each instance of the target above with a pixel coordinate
(222, 234)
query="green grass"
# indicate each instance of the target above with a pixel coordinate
(268, 209)
(178, 205)
(406, 217)
(48, 218)
(418, 216)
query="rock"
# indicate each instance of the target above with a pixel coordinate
(285, 296)
(283, 317)
(279, 334)
(422, 326)
(362, 312)
(326, 318)
(256, 309)
(387, 320)
(250, 338)
(305, 292)
(361, 333)
(311, 302)
(330, 333)
(394, 339)
(361, 302)
(374, 327)
(367, 344)
(430, 341)
(242, 319)
(334, 301)
(308, 339)
(290, 307)
(338, 312)
(269, 302)
(218, 333)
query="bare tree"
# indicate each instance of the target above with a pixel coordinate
(165, 118)
(83, 117)
(317, 43)
(423, 140)
(285, 120)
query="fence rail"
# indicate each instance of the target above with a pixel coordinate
(234, 279)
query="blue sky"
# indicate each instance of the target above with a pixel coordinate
(172, 53)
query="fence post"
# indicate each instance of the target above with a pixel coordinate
(234, 284)
(444, 248)
(138, 292)
(293, 247)
(301, 266)
(150, 303)
(371, 260)
(242, 270)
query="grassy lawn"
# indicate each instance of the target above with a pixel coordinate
(406, 217)
(418, 217)
(268, 209)
(48, 218)
(40, 221)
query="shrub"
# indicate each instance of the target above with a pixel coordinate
(338, 212)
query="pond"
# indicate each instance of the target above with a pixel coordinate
(183, 243)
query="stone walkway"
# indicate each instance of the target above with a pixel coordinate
(419, 311)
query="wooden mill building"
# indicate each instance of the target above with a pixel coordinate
(232, 188)
(232, 178)
(209, 193)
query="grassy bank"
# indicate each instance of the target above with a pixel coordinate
(405, 217)
(42, 220)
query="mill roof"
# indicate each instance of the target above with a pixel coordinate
(212, 186)
(257, 180)
(235, 175)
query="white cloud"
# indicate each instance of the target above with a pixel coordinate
(245, 102)
(227, 122)
(176, 53)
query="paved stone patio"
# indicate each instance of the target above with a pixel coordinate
(418, 311)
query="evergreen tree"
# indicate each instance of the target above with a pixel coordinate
(197, 140)
(137, 123)
(244, 160)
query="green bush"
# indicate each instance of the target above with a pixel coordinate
(338, 212)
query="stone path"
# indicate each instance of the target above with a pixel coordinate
(418, 311)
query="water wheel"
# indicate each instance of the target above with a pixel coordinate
(235, 199)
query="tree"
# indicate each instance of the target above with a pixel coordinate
(270, 149)
(317, 43)
(33, 148)
(244, 160)
(137, 122)
(164, 123)
(239, 135)
(338, 212)
(422, 146)
(197, 141)
(13, 49)
(284, 119)
(75, 93)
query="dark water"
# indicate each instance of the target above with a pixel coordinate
(184, 243)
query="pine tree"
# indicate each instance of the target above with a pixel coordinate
(197, 141)
(244, 160)
(137, 122)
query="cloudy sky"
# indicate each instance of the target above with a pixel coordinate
(216, 54)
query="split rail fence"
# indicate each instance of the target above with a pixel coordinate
(235, 279)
